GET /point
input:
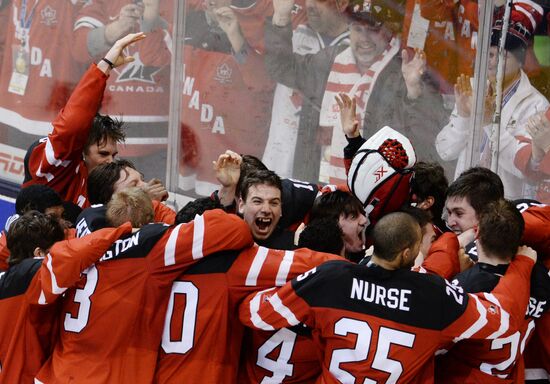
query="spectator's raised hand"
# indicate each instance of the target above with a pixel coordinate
(348, 115)
(127, 21)
(281, 12)
(412, 69)
(538, 127)
(463, 95)
(116, 54)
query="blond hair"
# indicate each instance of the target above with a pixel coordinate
(131, 204)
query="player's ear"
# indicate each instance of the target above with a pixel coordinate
(426, 203)
(240, 205)
(39, 252)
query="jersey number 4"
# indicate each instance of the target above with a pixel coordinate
(381, 361)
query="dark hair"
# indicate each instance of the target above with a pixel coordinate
(421, 216)
(103, 128)
(36, 197)
(196, 207)
(322, 235)
(71, 212)
(480, 186)
(429, 180)
(334, 204)
(500, 229)
(393, 233)
(33, 229)
(249, 164)
(102, 179)
(266, 177)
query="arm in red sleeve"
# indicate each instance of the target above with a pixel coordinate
(163, 213)
(71, 126)
(443, 257)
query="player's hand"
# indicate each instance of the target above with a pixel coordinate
(464, 260)
(412, 70)
(156, 190)
(348, 115)
(463, 95)
(116, 53)
(281, 12)
(527, 251)
(228, 168)
(466, 237)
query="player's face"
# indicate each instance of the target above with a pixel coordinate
(57, 212)
(322, 15)
(353, 227)
(460, 214)
(103, 153)
(261, 210)
(428, 237)
(368, 42)
(129, 177)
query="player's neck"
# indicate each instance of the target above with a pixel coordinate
(488, 258)
(389, 265)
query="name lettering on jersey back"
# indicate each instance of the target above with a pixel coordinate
(393, 298)
(82, 228)
(535, 308)
(207, 115)
(120, 246)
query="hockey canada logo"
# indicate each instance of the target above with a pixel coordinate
(49, 16)
(223, 74)
(137, 71)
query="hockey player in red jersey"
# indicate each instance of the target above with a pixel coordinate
(202, 333)
(63, 159)
(130, 286)
(37, 276)
(383, 321)
(498, 360)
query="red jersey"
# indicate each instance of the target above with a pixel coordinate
(28, 293)
(135, 92)
(498, 360)
(464, 27)
(382, 325)
(57, 160)
(436, 36)
(39, 32)
(131, 286)
(202, 334)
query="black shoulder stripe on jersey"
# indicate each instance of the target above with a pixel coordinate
(137, 244)
(219, 262)
(402, 296)
(17, 278)
(91, 219)
(297, 199)
(481, 277)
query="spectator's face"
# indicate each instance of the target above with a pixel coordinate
(103, 153)
(353, 227)
(511, 65)
(460, 214)
(129, 177)
(368, 42)
(261, 210)
(322, 15)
